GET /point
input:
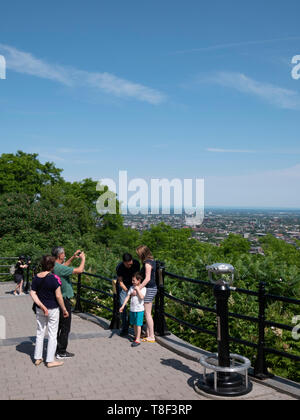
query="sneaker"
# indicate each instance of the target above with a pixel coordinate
(65, 355)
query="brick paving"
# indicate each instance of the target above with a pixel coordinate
(105, 367)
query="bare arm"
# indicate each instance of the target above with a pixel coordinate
(75, 255)
(37, 301)
(121, 283)
(125, 303)
(61, 303)
(148, 270)
(138, 290)
(80, 269)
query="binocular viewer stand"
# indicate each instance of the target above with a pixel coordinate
(227, 378)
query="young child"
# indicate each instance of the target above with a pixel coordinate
(136, 316)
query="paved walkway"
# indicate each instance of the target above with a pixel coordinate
(104, 367)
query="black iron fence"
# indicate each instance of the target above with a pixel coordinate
(260, 368)
(160, 314)
(115, 321)
(5, 268)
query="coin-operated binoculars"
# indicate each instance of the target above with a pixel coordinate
(226, 379)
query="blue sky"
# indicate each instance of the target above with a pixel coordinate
(166, 89)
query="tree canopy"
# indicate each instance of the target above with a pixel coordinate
(24, 173)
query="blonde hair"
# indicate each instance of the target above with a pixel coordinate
(144, 253)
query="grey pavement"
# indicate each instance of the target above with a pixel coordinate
(105, 367)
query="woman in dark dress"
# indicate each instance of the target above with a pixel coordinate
(19, 275)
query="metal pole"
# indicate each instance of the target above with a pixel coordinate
(223, 382)
(26, 287)
(78, 307)
(115, 322)
(222, 293)
(162, 325)
(260, 367)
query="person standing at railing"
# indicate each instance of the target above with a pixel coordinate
(19, 274)
(64, 271)
(125, 270)
(148, 272)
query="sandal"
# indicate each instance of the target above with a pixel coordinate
(38, 362)
(148, 340)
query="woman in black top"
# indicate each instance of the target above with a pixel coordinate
(148, 271)
(46, 294)
(19, 275)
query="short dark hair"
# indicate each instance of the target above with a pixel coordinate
(47, 262)
(127, 257)
(138, 276)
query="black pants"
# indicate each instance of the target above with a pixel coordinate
(64, 328)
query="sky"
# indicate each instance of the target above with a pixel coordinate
(161, 89)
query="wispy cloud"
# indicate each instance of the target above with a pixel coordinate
(215, 150)
(231, 45)
(69, 150)
(257, 151)
(275, 95)
(26, 63)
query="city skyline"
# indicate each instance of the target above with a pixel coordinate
(159, 90)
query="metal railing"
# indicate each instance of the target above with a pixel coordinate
(115, 321)
(2, 266)
(260, 368)
(160, 314)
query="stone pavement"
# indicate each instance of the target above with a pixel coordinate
(105, 366)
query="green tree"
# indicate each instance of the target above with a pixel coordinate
(235, 244)
(24, 173)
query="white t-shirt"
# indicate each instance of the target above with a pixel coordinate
(136, 304)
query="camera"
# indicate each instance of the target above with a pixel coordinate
(25, 260)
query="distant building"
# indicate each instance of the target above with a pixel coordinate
(257, 250)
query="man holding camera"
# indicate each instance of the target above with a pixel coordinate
(63, 270)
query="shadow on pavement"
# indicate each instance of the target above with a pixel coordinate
(178, 365)
(26, 347)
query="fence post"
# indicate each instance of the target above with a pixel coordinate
(26, 286)
(78, 307)
(160, 325)
(115, 322)
(260, 367)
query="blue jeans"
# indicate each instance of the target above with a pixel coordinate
(124, 314)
